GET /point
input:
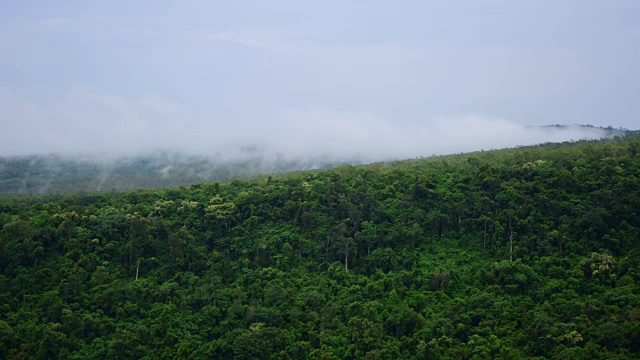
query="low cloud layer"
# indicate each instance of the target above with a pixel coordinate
(83, 122)
(292, 79)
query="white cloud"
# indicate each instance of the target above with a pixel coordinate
(309, 132)
(81, 121)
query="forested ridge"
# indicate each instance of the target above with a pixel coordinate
(74, 174)
(522, 253)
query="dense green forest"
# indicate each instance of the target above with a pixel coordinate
(522, 253)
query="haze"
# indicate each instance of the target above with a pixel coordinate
(373, 79)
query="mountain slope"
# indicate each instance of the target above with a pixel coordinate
(520, 253)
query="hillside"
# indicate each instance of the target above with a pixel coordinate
(531, 252)
(46, 174)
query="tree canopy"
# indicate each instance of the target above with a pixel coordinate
(530, 252)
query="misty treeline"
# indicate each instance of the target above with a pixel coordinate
(521, 253)
(83, 173)
(49, 174)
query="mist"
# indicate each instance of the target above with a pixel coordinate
(85, 141)
(339, 82)
(108, 127)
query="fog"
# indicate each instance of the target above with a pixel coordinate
(81, 123)
(298, 80)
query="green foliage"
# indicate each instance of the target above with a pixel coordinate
(403, 260)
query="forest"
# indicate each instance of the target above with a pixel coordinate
(531, 252)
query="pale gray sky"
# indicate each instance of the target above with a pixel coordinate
(338, 76)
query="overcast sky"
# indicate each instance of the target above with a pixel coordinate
(339, 76)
